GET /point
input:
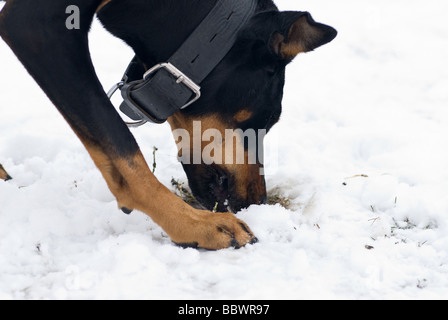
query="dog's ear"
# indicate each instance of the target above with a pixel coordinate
(300, 33)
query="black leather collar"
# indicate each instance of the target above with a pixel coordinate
(171, 86)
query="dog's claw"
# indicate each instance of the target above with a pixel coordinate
(218, 231)
(126, 210)
(254, 240)
(235, 244)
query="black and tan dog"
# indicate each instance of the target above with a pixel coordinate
(244, 91)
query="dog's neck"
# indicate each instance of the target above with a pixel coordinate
(156, 28)
(153, 28)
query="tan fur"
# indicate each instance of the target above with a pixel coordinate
(242, 115)
(3, 174)
(290, 50)
(297, 41)
(102, 5)
(249, 182)
(135, 187)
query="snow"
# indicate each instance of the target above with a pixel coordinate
(364, 166)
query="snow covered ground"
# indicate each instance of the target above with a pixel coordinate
(361, 154)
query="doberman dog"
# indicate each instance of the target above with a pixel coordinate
(244, 91)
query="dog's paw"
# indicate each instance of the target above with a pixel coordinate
(214, 231)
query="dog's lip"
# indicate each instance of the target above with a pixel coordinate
(212, 204)
(224, 205)
(220, 194)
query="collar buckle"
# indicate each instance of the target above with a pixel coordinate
(181, 78)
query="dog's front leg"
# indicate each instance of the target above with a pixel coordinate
(58, 58)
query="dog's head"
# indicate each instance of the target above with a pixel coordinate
(220, 137)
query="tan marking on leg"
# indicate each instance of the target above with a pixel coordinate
(135, 187)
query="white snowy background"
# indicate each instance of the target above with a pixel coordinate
(361, 152)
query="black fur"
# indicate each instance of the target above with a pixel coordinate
(250, 77)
